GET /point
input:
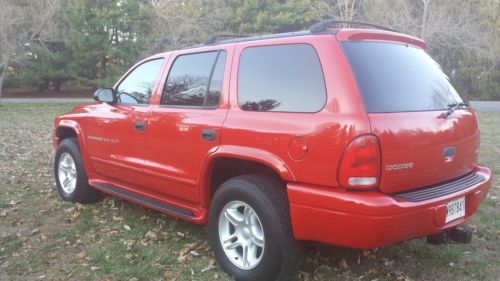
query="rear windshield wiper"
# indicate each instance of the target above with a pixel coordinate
(452, 107)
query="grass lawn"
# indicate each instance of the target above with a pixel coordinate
(44, 238)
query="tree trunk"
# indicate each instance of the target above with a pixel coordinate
(57, 85)
(3, 75)
(42, 86)
(425, 12)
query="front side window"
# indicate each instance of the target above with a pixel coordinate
(286, 78)
(137, 87)
(195, 80)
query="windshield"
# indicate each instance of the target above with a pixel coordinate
(397, 78)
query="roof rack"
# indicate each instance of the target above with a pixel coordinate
(323, 25)
(216, 38)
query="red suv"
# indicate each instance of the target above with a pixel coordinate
(352, 137)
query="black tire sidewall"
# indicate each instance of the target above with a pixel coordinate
(71, 146)
(269, 266)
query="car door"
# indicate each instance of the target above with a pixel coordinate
(187, 123)
(116, 132)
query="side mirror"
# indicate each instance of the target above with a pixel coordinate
(105, 95)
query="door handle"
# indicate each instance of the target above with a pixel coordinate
(208, 135)
(140, 126)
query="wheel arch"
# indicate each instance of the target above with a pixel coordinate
(68, 129)
(230, 161)
(64, 132)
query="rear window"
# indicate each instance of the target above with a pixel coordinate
(397, 78)
(285, 78)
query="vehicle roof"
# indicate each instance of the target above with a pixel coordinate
(342, 34)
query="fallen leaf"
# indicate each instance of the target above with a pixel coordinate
(115, 218)
(343, 264)
(169, 276)
(210, 267)
(126, 227)
(182, 257)
(151, 235)
(12, 203)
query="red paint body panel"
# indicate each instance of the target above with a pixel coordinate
(115, 148)
(378, 35)
(169, 162)
(372, 219)
(422, 142)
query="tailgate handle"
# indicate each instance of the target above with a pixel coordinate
(208, 135)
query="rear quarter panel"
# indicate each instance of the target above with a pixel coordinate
(323, 135)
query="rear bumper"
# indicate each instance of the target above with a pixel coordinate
(372, 219)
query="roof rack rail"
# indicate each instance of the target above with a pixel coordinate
(216, 38)
(323, 25)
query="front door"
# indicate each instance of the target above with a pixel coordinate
(186, 124)
(116, 132)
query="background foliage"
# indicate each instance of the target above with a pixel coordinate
(91, 42)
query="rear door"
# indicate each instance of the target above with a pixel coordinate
(186, 125)
(405, 94)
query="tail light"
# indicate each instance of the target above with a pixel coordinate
(360, 164)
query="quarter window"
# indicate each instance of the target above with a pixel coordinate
(137, 87)
(195, 80)
(281, 78)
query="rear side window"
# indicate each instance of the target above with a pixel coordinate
(397, 78)
(195, 80)
(285, 78)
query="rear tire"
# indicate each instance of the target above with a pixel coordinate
(272, 253)
(70, 175)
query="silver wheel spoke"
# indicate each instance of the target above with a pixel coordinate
(245, 256)
(233, 245)
(247, 215)
(228, 239)
(233, 216)
(66, 182)
(62, 167)
(252, 253)
(258, 242)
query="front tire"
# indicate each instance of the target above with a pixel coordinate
(250, 230)
(70, 175)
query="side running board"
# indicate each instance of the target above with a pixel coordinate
(153, 203)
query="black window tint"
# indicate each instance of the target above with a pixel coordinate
(188, 80)
(137, 87)
(281, 78)
(395, 78)
(215, 89)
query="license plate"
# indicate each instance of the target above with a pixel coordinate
(455, 209)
